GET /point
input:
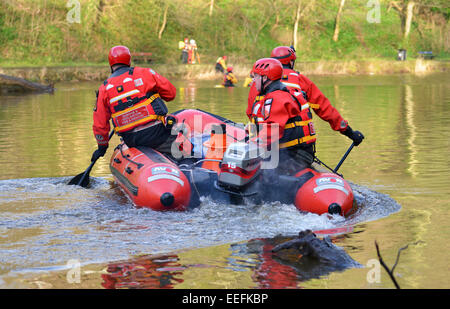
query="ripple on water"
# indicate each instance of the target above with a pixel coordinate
(45, 222)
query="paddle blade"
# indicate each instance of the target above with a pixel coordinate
(79, 180)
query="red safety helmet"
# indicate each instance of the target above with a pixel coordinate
(269, 67)
(119, 54)
(284, 53)
(224, 57)
(229, 69)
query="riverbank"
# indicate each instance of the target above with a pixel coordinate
(53, 74)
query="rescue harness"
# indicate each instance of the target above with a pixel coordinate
(299, 130)
(130, 109)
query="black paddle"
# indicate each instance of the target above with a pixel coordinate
(340, 162)
(343, 158)
(83, 178)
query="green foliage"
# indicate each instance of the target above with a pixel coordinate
(38, 32)
(7, 33)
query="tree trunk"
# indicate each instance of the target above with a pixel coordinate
(99, 12)
(409, 16)
(405, 11)
(338, 18)
(260, 28)
(277, 15)
(297, 20)
(163, 26)
(211, 8)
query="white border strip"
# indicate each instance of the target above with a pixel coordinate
(325, 187)
(165, 176)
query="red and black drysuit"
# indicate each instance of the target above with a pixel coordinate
(299, 83)
(303, 88)
(133, 98)
(277, 108)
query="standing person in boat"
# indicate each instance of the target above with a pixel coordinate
(229, 80)
(274, 104)
(133, 98)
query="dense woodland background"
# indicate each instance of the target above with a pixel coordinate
(45, 32)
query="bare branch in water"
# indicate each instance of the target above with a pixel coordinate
(391, 271)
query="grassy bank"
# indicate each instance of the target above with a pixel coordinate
(99, 72)
(45, 32)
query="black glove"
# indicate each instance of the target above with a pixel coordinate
(356, 136)
(170, 121)
(100, 152)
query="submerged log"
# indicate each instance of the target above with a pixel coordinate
(17, 84)
(321, 250)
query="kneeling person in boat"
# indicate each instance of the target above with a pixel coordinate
(302, 87)
(133, 98)
(276, 107)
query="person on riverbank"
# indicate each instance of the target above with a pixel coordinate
(133, 98)
(184, 46)
(192, 51)
(229, 79)
(221, 66)
(298, 84)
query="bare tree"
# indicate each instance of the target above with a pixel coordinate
(296, 22)
(100, 9)
(338, 19)
(300, 12)
(409, 16)
(405, 9)
(163, 26)
(211, 6)
(277, 14)
(254, 26)
(261, 27)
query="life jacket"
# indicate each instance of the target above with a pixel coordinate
(128, 105)
(247, 82)
(298, 130)
(220, 62)
(229, 79)
(290, 79)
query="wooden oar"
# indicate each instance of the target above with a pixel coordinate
(82, 179)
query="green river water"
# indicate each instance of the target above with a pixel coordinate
(401, 174)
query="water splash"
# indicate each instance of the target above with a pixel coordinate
(46, 223)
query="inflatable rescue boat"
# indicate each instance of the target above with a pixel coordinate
(222, 166)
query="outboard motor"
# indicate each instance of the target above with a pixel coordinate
(241, 164)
